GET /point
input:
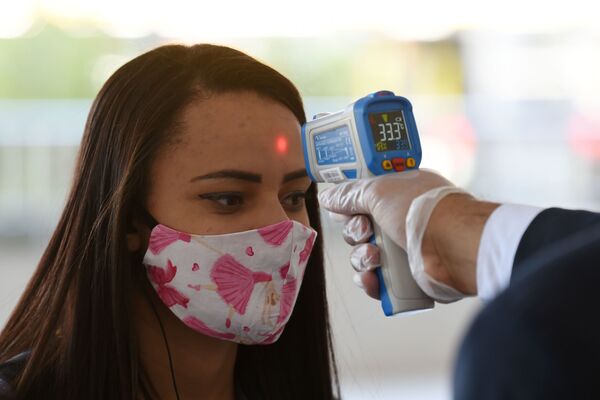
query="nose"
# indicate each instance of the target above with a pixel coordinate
(269, 212)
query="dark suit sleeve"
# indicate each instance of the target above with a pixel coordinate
(546, 230)
(540, 338)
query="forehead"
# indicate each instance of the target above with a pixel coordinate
(239, 130)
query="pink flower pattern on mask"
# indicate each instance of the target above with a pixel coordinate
(276, 234)
(162, 237)
(160, 276)
(168, 294)
(272, 337)
(229, 286)
(283, 271)
(201, 327)
(235, 282)
(288, 295)
(308, 246)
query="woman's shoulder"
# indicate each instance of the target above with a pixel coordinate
(8, 372)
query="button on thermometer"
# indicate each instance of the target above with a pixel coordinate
(373, 136)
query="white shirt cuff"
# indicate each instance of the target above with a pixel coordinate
(501, 236)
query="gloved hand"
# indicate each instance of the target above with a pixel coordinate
(401, 204)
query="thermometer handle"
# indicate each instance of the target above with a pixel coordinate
(398, 290)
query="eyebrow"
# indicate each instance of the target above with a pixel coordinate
(247, 176)
(230, 174)
(301, 173)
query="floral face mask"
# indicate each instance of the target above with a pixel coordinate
(240, 286)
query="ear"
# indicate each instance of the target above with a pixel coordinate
(137, 236)
(134, 242)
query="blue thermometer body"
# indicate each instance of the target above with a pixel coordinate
(373, 136)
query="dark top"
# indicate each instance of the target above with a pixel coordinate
(8, 372)
(540, 338)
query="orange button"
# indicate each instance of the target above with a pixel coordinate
(399, 164)
(410, 162)
(387, 165)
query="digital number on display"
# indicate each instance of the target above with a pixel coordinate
(389, 131)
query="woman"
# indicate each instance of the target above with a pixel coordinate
(190, 170)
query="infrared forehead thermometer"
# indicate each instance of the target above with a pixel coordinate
(373, 136)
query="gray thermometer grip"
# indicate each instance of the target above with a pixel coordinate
(398, 290)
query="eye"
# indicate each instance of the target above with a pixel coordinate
(294, 201)
(225, 201)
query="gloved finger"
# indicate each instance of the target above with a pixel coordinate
(364, 257)
(339, 217)
(368, 282)
(358, 229)
(345, 198)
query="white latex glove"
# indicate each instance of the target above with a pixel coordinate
(387, 200)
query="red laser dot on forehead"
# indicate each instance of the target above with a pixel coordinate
(281, 145)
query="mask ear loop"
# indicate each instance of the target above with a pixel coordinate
(151, 223)
(164, 335)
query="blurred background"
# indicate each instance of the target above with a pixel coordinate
(506, 96)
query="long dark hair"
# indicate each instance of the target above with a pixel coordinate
(75, 314)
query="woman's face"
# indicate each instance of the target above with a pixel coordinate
(236, 165)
